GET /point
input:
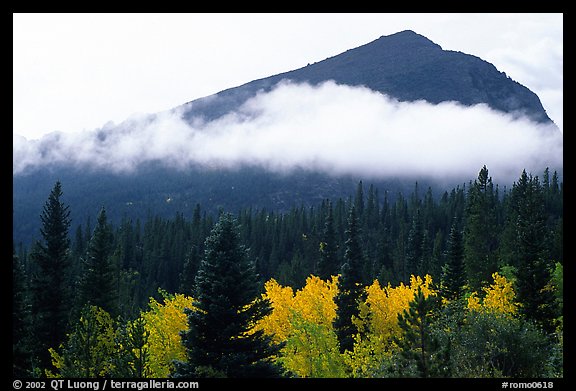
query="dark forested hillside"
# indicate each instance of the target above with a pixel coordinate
(158, 190)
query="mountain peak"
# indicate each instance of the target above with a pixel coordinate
(406, 66)
(407, 37)
(404, 46)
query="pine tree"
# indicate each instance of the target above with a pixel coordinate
(480, 232)
(350, 285)
(453, 273)
(220, 341)
(132, 361)
(328, 261)
(90, 347)
(533, 266)
(20, 320)
(188, 275)
(372, 208)
(418, 344)
(359, 200)
(50, 294)
(97, 285)
(414, 250)
(192, 260)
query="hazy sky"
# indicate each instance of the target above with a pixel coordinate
(74, 72)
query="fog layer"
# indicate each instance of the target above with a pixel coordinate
(332, 128)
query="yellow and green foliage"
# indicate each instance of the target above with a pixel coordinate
(499, 298)
(313, 303)
(163, 323)
(378, 323)
(302, 320)
(93, 349)
(89, 349)
(311, 350)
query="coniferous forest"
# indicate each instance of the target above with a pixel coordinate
(465, 284)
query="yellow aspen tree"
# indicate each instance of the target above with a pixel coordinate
(499, 297)
(312, 350)
(315, 301)
(304, 321)
(277, 323)
(164, 322)
(378, 323)
(382, 306)
(89, 349)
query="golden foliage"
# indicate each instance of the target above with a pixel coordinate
(277, 323)
(313, 303)
(499, 297)
(380, 311)
(164, 322)
(378, 322)
(312, 350)
(304, 321)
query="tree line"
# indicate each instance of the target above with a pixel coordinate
(460, 240)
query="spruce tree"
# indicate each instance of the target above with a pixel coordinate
(50, 294)
(359, 201)
(350, 287)
(480, 232)
(133, 359)
(328, 261)
(219, 341)
(453, 273)
(97, 285)
(20, 320)
(189, 270)
(534, 267)
(418, 344)
(414, 250)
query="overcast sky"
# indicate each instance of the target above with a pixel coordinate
(74, 72)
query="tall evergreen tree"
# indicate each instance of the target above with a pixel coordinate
(533, 266)
(453, 273)
(350, 285)
(418, 344)
(97, 285)
(188, 275)
(194, 254)
(133, 359)
(328, 260)
(51, 302)
(359, 200)
(20, 320)
(220, 341)
(414, 250)
(480, 232)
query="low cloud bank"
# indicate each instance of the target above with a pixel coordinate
(332, 128)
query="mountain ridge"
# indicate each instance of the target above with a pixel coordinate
(406, 66)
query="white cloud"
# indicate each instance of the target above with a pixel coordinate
(334, 128)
